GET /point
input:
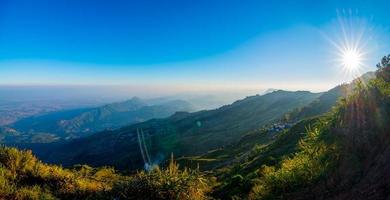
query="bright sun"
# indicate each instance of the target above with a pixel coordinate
(352, 46)
(351, 59)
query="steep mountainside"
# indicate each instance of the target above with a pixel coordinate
(321, 105)
(260, 138)
(343, 154)
(182, 133)
(327, 100)
(340, 155)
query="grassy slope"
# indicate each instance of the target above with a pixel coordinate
(184, 134)
(327, 100)
(344, 154)
(337, 155)
(23, 176)
(237, 179)
(341, 155)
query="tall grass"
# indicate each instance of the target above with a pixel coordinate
(23, 176)
(168, 183)
(316, 155)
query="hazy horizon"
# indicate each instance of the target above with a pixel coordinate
(194, 99)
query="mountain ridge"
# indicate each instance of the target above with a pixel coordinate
(177, 133)
(76, 123)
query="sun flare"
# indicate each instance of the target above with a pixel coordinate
(351, 59)
(351, 46)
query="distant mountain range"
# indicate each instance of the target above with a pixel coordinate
(81, 122)
(189, 134)
(280, 145)
(183, 133)
(14, 110)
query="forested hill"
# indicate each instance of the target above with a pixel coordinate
(182, 133)
(342, 154)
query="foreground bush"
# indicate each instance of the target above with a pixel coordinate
(23, 176)
(316, 156)
(169, 183)
(345, 154)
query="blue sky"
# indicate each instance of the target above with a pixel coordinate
(186, 45)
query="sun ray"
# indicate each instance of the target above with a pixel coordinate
(350, 44)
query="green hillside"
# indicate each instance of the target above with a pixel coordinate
(327, 100)
(184, 134)
(342, 154)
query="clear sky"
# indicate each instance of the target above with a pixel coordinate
(187, 45)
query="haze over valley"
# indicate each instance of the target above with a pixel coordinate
(194, 100)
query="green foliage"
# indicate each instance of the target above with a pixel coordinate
(337, 148)
(23, 176)
(321, 105)
(236, 152)
(348, 144)
(169, 183)
(315, 158)
(183, 134)
(383, 71)
(384, 63)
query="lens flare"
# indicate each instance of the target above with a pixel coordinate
(351, 59)
(351, 41)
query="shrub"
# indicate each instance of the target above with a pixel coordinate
(169, 183)
(23, 176)
(315, 157)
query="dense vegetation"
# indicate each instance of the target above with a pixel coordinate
(342, 154)
(327, 100)
(23, 176)
(184, 134)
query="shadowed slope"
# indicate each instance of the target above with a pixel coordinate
(182, 133)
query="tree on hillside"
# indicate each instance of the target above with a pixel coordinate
(385, 62)
(384, 68)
